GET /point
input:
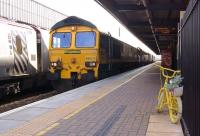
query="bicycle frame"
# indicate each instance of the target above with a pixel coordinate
(166, 97)
(167, 77)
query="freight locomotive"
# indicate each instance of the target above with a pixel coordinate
(23, 56)
(79, 51)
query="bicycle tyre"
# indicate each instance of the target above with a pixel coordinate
(161, 100)
(160, 91)
(175, 113)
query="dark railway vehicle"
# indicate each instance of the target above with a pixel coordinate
(23, 56)
(79, 51)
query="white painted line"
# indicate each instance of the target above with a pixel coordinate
(145, 69)
(21, 108)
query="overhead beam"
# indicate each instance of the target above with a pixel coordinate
(153, 47)
(150, 34)
(152, 7)
(129, 7)
(159, 37)
(138, 23)
(149, 40)
(162, 34)
(150, 22)
(154, 24)
(159, 41)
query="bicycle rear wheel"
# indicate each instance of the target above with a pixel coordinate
(175, 109)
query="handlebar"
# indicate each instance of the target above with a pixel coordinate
(163, 69)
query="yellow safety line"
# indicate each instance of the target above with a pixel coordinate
(80, 109)
(41, 133)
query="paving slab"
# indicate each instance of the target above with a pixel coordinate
(160, 125)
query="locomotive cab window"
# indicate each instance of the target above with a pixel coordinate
(61, 40)
(85, 39)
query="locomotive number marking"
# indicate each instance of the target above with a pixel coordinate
(90, 58)
(72, 51)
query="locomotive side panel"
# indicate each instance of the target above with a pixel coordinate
(44, 39)
(6, 52)
(18, 53)
(31, 41)
(19, 57)
(104, 48)
(115, 56)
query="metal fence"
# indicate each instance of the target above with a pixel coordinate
(189, 58)
(30, 11)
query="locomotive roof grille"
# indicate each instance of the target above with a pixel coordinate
(72, 20)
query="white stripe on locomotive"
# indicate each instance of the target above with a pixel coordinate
(21, 60)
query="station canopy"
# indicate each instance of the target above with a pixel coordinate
(155, 22)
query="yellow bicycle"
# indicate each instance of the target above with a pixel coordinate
(170, 98)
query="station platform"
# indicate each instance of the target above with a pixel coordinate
(121, 105)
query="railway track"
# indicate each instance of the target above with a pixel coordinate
(15, 101)
(29, 96)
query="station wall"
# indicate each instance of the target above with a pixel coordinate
(188, 57)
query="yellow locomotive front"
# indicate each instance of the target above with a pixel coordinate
(74, 51)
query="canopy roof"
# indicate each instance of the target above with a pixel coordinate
(155, 22)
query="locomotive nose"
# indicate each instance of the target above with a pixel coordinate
(73, 60)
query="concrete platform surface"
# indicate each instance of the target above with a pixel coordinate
(123, 112)
(160, 125)
(119, 105)
(22, 115)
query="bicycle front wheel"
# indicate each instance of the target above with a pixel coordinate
(161, 102)
(175, 109)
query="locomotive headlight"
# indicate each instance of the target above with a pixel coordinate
(93, 64)
(90, 64)
(54, 64)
